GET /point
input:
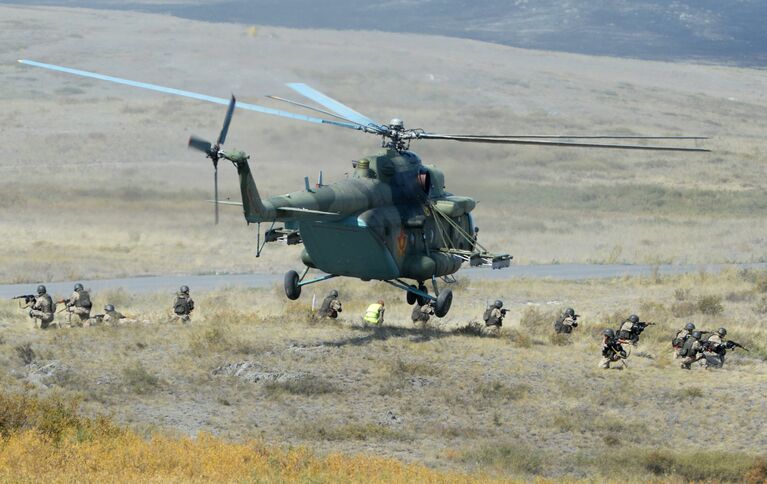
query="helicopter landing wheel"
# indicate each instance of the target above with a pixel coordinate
(444, 300)
(411, 296)
(422, 300)
(292, 289)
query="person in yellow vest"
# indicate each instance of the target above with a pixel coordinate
(375, 313)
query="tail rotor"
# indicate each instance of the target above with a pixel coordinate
(214, 151)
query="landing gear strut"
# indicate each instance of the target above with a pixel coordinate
(294, 283)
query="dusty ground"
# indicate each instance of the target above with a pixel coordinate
(97, 180)
(523, 404)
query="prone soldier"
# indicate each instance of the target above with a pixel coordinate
(331, 306)
(612, 351)
(567, 322)
(493, 318)
(632, 328)
(79, 304)
(183, 305)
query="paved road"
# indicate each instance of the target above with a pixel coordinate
(570, 272)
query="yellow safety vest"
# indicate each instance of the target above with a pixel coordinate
(371, 315)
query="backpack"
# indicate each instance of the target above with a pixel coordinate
(687, 347)
(84, 300)
(486, 316)
(181, 307)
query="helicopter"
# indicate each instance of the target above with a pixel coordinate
(391, 220)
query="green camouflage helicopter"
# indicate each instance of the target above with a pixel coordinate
(392, 220)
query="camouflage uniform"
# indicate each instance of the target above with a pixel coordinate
(183, 306)
(690, 351)
(565, 325)
(494, 322)
(79, 304)
(626, 331)
(330, 307)
(422, 314)
(42, 311)
(679, 340)
(612, 352)
(715, 351)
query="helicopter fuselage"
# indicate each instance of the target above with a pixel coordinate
(379, 223)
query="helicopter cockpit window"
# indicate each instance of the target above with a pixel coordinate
(424, 181)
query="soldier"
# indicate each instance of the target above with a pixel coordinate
(632, 328)
(715, 349)
(183, 305)
(681, 336)
(375, 313)
(493, 318)
(42, 308)
(422, 313)
(79, 304)
(690, 350)
(566, 322)
(612, 350)
(331, 306)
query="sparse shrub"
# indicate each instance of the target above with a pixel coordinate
(559, 339)
(139, 379)
(535, 321)
(761, 306)
(26, 353)
(508, 458)
(690, 392)
(681, 294)
(401, 368)
(520, 339)
(353, 431)
(684, 309)
(306, 385)
(499, 391)
(611, 440)
(760, 282)
(708, 466)
(758, 471)
(710, 305)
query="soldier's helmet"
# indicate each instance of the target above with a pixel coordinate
(634, 318)
(609, 333)
(476, 229)
(78, 287)
(333, 293)
(721, 332)
(570, 312)
(41, 289)
(184, 289)
(109, 308)
(696, 334)
(689, 326)
(498, 304)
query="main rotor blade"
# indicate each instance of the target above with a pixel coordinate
(311, 108)
(189, 94)
(200, 144)
(494, 140)
(227, 120)
(335, 106)
(564, 136)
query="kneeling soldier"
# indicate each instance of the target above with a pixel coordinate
(566, 322)
(681, 337)
(493, 317)
(42, 308)
(690, 350)
(375, 313)
(422, 314)
(79, 304)
(612, 351)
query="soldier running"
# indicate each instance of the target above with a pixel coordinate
(183, 305)
(612, 351)
(331, 306)
(567, 322)
(79, 304)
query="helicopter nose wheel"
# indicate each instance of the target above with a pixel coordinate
(292, 289)
(444, 301)
(422, 300)
(411, 297)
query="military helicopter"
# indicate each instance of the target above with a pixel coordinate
(392, 220)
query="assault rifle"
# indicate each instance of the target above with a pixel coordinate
(504, 311)
(720, 348)
(28, 298)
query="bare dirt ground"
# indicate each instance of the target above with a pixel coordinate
(96, 182)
